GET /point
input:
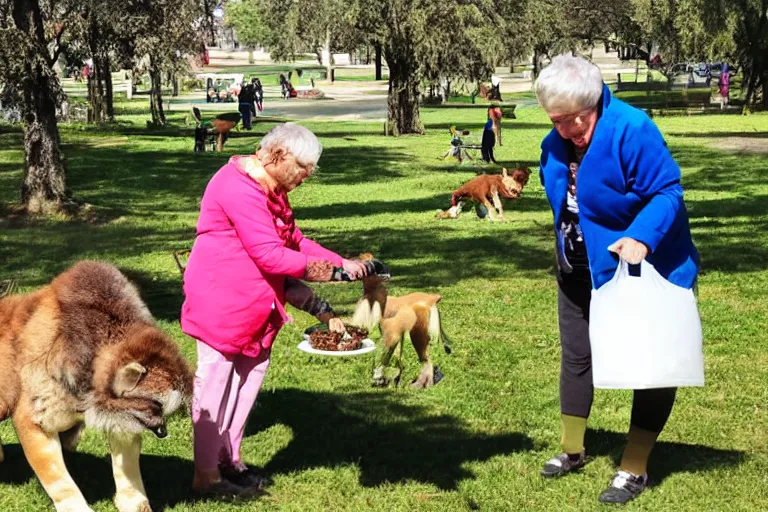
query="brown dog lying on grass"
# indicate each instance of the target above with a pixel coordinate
(414, 313)
(487, 190)
(85, 351)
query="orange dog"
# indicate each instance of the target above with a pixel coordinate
(486, 189)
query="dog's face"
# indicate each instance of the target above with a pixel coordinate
(141, 381)
(514, 183)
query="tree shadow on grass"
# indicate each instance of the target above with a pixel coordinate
(454, 250)
(387, 440)
(57, 246)
(667, 458)
(167, 479)
(735, 207)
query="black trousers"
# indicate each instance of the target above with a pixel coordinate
(486, 146)
(650, 407)
(245, 113)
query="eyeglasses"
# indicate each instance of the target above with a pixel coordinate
(561, 119)
(308, 169)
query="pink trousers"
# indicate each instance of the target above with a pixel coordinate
(225, 390)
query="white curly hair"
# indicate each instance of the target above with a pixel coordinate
(569, 84)
(297, 140)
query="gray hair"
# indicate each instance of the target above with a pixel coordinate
(569, 84)
(296, 139)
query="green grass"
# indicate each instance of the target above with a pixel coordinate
(477, 440)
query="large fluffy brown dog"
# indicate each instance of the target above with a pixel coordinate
(414, 313)
(84, 351)
(488, 188)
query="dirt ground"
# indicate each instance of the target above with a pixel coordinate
(753, 145)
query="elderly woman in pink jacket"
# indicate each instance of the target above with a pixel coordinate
(246, 263)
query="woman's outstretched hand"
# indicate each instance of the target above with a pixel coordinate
(355, 269)
(336, 325)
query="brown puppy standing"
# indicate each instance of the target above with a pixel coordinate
(488, 188)
(84, 351)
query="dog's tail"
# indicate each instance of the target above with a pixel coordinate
(436, 331)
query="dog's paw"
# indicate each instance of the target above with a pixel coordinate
(74, 504)
(422, 382)
(426, 378)
(132, 502)
(383, 376)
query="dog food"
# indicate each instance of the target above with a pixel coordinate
(323, 339)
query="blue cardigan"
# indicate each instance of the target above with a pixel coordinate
(628, 185)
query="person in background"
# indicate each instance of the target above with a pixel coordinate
(489, 139)
(615, 192)
(283, 86)
(258, 95)
(245, 104)
(724, 84)
(495, 114)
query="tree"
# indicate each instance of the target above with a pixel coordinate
(417, 38)
(26, 62)
(247, 20)
(97, 31)
(475, 47)
(318, 26)
(164, 31)
(322, 24)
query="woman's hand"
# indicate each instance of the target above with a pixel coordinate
(336, 325)
(355, 268)
(630, 250)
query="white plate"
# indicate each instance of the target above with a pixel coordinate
(368, 346)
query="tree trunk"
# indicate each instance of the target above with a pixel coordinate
(327, 57)
(156, 93)
(208, 7)
(108, 89)
(96, 105)
(377, 50)
(538, 57)
(43, 189)
(403, 97)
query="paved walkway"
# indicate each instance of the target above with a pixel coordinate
(345, 100)
(355, 100)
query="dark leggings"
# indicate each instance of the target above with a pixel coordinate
(486, 147)
(650, 407)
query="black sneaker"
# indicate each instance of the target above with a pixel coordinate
(625, 487)
(562, 464)
(243, 476)
(226, 490)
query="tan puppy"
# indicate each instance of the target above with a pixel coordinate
(415, 313)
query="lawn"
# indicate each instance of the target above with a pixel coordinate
(477, 440)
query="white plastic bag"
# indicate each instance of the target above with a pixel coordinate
(645, 332)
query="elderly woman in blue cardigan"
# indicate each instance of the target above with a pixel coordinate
(615, 192)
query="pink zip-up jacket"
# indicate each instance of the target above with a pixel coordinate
(235, 276)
